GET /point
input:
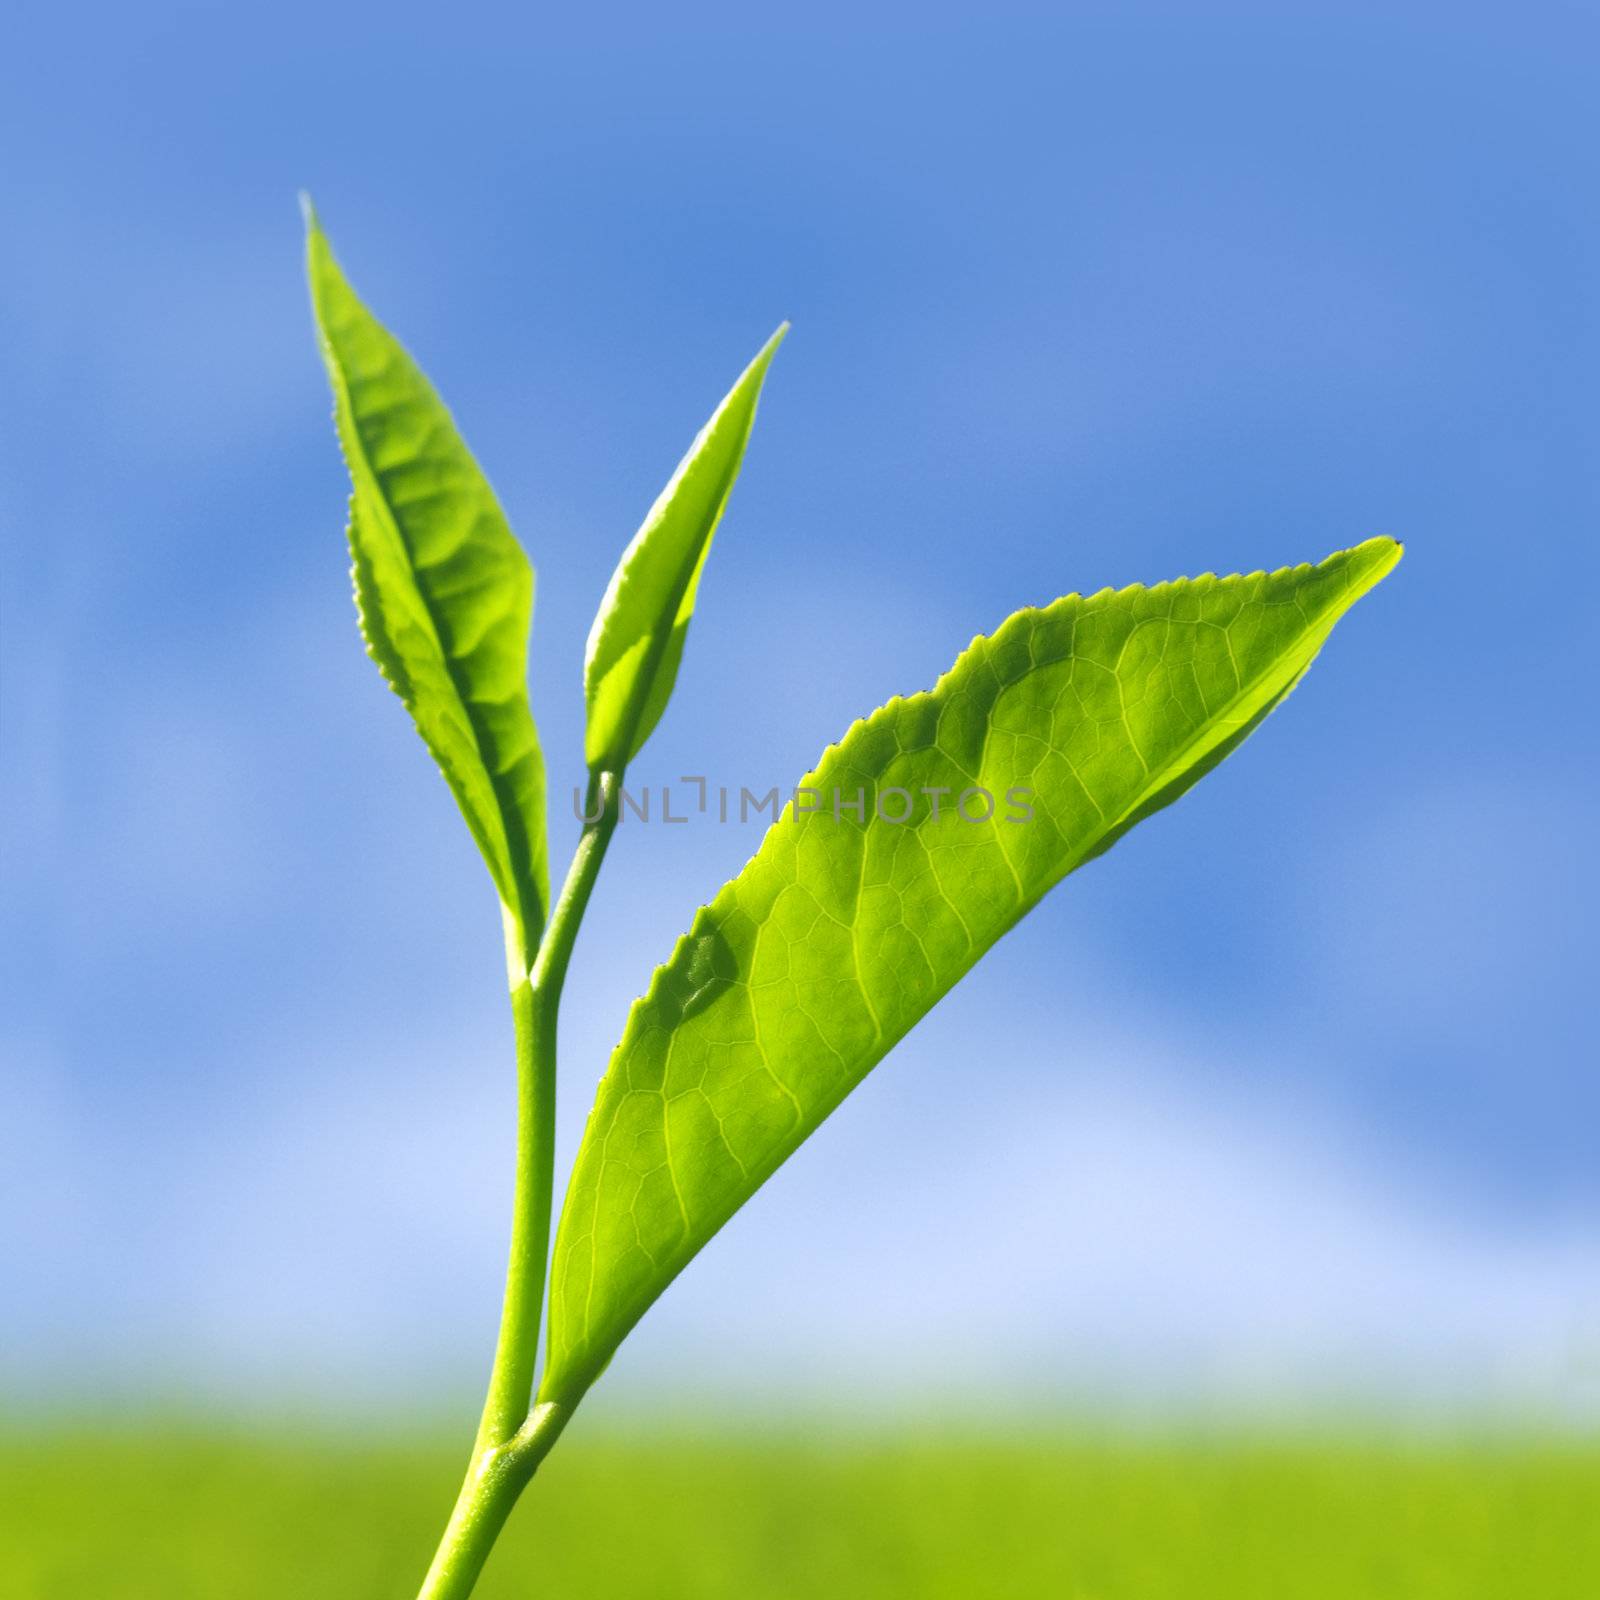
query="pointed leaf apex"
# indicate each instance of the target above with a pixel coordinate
(638, 636)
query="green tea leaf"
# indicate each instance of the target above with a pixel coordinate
(843, 931)
(444, 592)
(638, 635)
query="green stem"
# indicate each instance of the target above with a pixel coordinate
(511, 1442)
(495, 1479)
(511, 1378)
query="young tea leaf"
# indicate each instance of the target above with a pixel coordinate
(444, 592)
(1037, 750)
(638, 635)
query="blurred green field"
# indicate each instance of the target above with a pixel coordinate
(172, 1514)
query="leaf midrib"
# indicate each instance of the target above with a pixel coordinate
(1153, 785)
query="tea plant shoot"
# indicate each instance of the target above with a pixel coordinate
(927, 832)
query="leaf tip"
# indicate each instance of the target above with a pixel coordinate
(757, 369)
(316, 239)
(319, 254)
(1385, 554)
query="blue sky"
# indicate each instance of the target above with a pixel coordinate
(1291, 1095)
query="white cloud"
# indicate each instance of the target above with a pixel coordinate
(1122, 1239)
(1106, 1235)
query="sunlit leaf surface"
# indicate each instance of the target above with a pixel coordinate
(445, 593)
(637, 640)
(848, 925)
